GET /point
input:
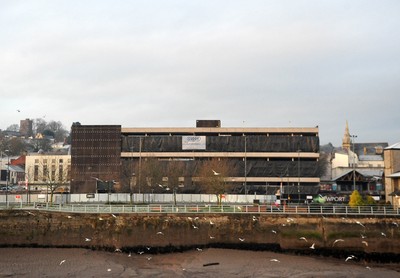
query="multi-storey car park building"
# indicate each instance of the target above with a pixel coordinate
(263, 160)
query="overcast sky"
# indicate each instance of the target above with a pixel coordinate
(169, 63)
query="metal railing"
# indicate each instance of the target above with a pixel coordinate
(210, 208)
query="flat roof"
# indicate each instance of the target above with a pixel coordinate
(193, 130)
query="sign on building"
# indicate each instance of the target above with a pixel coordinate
(193, 142)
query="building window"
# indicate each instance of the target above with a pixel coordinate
(60, 172)
(36, 173)
(53, 172)
(61, 160)
(45, 172)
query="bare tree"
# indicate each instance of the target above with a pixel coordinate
(151, 174)
(212, 174)
(55, 174)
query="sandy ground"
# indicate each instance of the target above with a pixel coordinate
(39, 262)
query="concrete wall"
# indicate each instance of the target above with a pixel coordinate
(132, 232)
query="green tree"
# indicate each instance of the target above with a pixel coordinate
(356, 199)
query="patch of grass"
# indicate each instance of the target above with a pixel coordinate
(343, 234)
(299, 233)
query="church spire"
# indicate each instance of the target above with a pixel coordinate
(346, 138)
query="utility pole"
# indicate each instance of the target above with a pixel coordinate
(354, 162)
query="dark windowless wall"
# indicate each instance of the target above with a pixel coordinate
(95, 153)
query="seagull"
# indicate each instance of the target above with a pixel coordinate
(113, 215)
(216, 173)
(290, 220)
(148, 258)
(196, 218)
(30, 213)
(363, 236)
(101, 219)
(69, 216)
(364, 242)
(212, 237)
(274, 260)
(211, 223)
(190, 218)
(394, 223)
(303, 238)
(108, 269)
(350, 258)
(195, 227)
(199, 249)
(359, 223)
(367, 267)
(148, 248)
(87, 239)
(338, 240)
(273, 231)
(383, 234)
(160, 233)
(312, 246)
(140, 252)
(118, 250)
(254, 218)
(241, 239)
(63, 261)
(130, 254)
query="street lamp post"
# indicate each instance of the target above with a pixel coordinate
(298, 175)
(7, 175)
(245, 164)
(354, 162)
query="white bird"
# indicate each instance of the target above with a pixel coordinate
(273, 231)
(190, 218)
(312, 246)
(69, 216)
(195, 227)
(196, 218)
(148, 258)
(148, 248)
(364, 242)
(130, 254)
(254, 218)
(63, 261)
(101, 219)
(216, 173)
(160, 233)
(350, 258)
(394, 223)
(303, 238)
(87, 239)
(363, 236)
(239, 208)
(383, 234)
(140, 252)
(290, 220)
(199, 249)
(118, 250)
(336, 241)
(30, 213)
(211, 223)
(359, 223)
(212, 237)
(108, 269)
(274, 260)
(367, 267)
(113, 215)
(241, 239)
